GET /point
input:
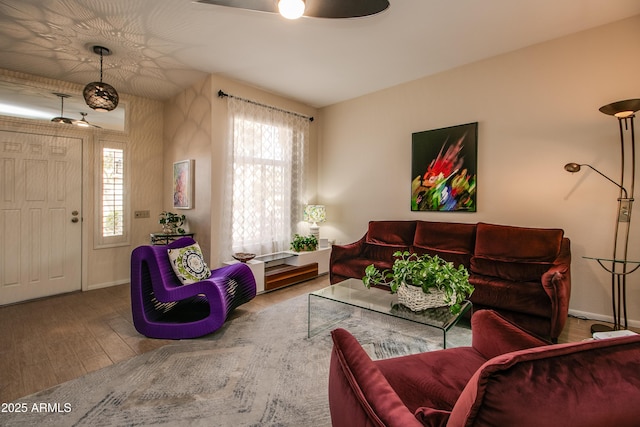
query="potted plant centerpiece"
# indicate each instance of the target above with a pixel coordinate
(304, 243)
(423, 281)
(171, 223)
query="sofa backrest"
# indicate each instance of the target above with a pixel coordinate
(451, 241)
(384, 238)
(514, 253)
(584, 384)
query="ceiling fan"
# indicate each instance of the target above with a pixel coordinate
(333, 9)
(68, 121)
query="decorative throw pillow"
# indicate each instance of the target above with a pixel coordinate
(188, 264)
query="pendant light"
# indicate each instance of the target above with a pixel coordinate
(61, 118)
(98, 95)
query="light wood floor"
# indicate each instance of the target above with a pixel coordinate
(53, 340)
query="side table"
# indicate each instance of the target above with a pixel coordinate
(165, 239)
(618, 291)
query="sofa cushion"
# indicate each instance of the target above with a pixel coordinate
(457, 258)
(445, 236)
(509, 243)
(514, 253)
(391, 232)
(382, 252)
(522, 297)
(356, 266)
(429, 379)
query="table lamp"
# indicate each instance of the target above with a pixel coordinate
(314, 214)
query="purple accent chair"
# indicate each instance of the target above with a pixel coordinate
(164, 308)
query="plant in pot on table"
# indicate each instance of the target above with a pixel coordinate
(304, 243)
(423, 281)
(171, 223)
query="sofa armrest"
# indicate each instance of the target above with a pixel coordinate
(359, 394)
(557, 285)
(494, 335)
(351, 250)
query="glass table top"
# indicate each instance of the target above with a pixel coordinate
(353, 292)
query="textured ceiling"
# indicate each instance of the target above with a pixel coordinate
(162, 46)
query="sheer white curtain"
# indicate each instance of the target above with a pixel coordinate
(266, 157)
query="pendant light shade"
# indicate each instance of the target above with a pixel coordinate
(61, 118)
(98, 95)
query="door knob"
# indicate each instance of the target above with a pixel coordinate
(74, 213)
(74, 219)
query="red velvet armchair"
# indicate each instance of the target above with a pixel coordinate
(506, 378)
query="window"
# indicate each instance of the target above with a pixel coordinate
(112, 210)
(265, 178)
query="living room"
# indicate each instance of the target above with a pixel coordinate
(536, 108)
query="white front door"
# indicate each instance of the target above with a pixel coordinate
(40, 217)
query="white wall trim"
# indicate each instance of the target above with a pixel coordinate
(107, 284)
(600, 317)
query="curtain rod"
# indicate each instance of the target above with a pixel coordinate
(221, 94)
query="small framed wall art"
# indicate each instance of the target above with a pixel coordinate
(183, 184)
(444, 169)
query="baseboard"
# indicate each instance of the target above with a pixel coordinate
(106, 284)
(600, 317)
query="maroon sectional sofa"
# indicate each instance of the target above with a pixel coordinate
(523, 273)
(506, 378)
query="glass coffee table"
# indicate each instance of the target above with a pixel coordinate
(353, 292)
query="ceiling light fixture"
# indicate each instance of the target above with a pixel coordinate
(291, 9)
(84, 123)
(61, 118)
(98, 95)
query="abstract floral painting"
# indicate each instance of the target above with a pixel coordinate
(183, 184)
(444, 169)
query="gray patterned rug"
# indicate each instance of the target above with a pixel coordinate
(260, 369)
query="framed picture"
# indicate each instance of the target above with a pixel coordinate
(183, 184)
(444, 169)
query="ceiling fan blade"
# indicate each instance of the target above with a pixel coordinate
(332, 9)
(260, 5)
(335, 9)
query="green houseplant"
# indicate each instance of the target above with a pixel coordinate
(171, 223)
(430, 273)
(304, 243)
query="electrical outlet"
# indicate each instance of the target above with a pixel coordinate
(141, 214)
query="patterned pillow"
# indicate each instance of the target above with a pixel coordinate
(188, 264)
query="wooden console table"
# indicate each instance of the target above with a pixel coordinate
(274, 271)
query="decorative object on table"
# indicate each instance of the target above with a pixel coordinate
(183, 184)
(243, 256)
(439, 281)
(443, 169)
(618, 265)
(171, 223)
(304, 243)
(315, 214)
(188, 263)
(99, 95)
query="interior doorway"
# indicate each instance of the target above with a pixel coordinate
(40, 215)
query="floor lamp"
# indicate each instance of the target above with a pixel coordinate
(619, 265)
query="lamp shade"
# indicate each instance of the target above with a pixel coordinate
(315, 213)
(621, 109)
(100, 96)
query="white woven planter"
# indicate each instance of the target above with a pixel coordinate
(415, 299)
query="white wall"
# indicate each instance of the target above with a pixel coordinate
(537, 109)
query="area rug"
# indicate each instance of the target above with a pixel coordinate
(260, 369)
